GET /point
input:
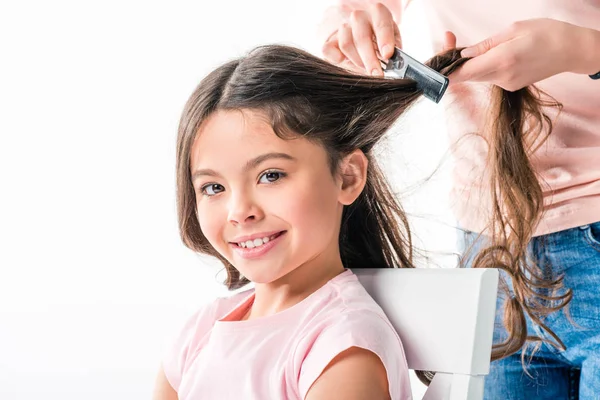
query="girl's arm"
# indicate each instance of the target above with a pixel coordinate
(354, 374)
(163, 389)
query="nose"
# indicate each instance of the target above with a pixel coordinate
(243, 208)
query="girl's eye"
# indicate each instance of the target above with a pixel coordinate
(211, 189)
(271, 176)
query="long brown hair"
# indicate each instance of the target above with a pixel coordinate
(304, 95)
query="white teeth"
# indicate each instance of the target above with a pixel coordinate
(250, 244)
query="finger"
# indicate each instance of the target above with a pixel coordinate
(397, 36)
(362, 33)
(487, 44)
(386, 31)
(347, 47)
(379, 56)
(449, 41)
(331, 51)
(479, 69)
(350, 66)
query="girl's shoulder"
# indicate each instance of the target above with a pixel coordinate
(349, 317)
(348, 298)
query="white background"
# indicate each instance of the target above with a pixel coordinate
(93, 277)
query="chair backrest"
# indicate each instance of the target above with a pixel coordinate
(445, 318)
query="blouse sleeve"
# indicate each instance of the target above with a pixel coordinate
(363, 329)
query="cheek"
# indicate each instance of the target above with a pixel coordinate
(210, 222)
(312, 210)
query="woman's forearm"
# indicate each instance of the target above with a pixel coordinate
(587, 53)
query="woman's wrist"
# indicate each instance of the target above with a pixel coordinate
(588, 52)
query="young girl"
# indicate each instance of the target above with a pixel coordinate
(276, 179)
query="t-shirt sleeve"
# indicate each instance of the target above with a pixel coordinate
(364, 329)
(183, 343)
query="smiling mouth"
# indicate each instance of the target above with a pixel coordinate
(258, 242)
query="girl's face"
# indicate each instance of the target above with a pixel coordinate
(266, 204)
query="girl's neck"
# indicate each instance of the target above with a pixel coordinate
(271, 298)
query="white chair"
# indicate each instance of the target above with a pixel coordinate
(445, 318)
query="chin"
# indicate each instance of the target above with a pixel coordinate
(264, 277)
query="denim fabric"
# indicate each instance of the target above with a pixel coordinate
(575, 372)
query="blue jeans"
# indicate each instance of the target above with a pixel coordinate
(556, 375)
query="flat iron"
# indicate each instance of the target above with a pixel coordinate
(430, 82)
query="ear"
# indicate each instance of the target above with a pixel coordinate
(352, 176)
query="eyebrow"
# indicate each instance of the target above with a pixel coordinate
(249, 165)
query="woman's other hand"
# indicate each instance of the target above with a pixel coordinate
(530, 51)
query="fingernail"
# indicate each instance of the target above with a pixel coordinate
(468, 52)
(375, 72)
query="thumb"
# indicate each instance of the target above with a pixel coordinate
(449, 41)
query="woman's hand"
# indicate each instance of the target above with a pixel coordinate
(369, 36)
(530, 51)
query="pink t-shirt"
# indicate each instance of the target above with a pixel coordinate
(568, 164)
(280, 356)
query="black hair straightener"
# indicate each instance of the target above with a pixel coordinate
(402, 66)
